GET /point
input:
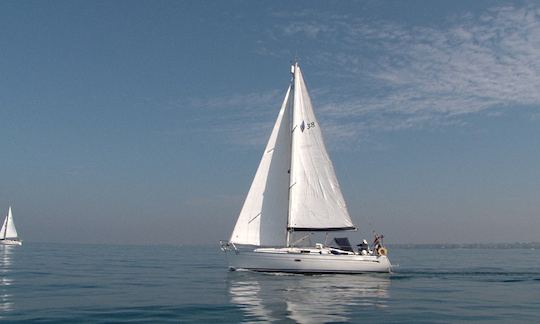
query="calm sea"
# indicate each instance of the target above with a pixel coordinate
(105, 283)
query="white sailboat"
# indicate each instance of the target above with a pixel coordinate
(295, 192)
(8, 233)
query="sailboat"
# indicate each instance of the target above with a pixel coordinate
(294, 194)
(8, 233)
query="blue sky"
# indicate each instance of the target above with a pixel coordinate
(144, 121)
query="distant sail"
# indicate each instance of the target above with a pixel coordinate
(316, 201)
(263, 218)
(8, 230)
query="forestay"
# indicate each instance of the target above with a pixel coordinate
(316, 201)
(263, 218)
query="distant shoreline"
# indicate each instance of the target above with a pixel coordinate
(515, 245)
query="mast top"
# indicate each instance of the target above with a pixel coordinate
(294, 66)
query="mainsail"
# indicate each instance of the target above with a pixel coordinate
(8, 230)
(316, 201)
(263, 218)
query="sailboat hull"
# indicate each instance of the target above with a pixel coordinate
(306, 263)
(10, 242)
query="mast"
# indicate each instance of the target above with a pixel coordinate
(293, 70)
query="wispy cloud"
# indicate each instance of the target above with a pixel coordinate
(393, 76)
(378, 75)
(242, 119)
(311, 30)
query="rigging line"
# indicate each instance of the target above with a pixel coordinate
(356, 194)
(302, 239)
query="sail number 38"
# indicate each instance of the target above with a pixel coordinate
(310, 125)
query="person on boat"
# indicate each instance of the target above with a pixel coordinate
(377, 242)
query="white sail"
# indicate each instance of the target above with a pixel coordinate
(263, 218)
(8, 230)
(316, 201)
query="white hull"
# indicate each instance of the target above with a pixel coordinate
(281, 261)
(10, 242)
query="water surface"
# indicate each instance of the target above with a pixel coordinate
(106, 283)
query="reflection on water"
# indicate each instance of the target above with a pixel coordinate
(306, 299)
(6, 257)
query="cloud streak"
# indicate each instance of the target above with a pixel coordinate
(393, 76)
(382, 76)
(241, 119)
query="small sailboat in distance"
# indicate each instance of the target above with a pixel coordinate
(8, 233)
(295, 192)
